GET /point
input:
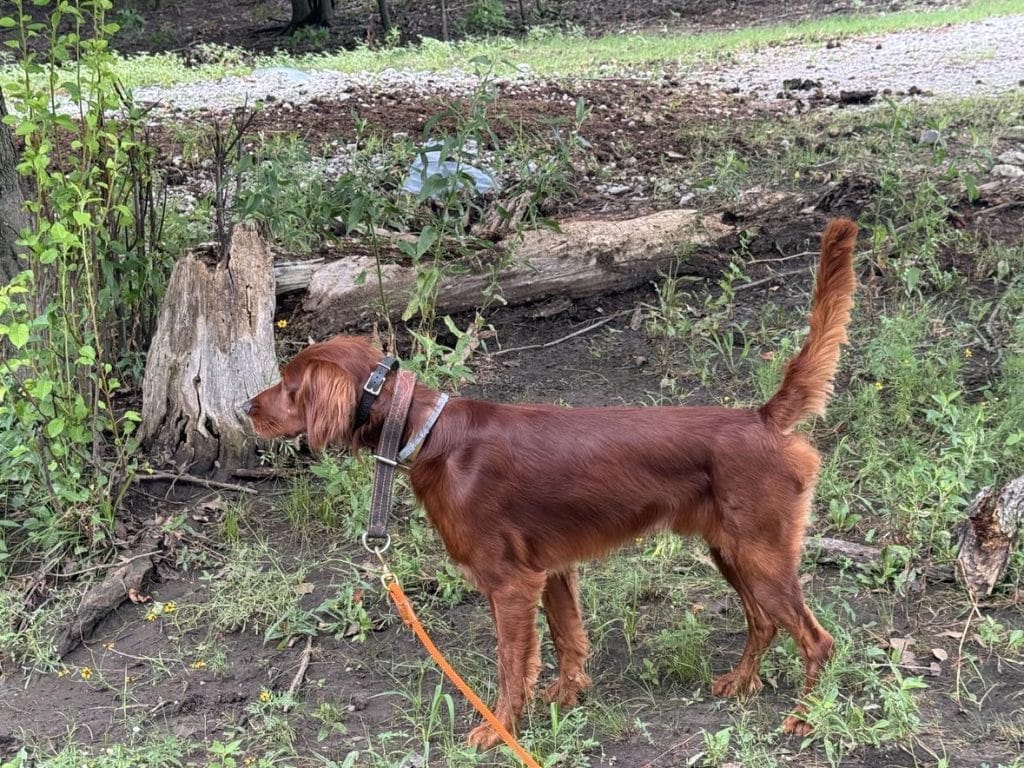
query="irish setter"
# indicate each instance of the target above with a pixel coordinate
(521, 493)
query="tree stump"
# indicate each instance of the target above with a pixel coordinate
(213, 348)
(988, 536)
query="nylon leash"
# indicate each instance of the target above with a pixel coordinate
(405, 610)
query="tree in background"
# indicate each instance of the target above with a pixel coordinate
(307, 13)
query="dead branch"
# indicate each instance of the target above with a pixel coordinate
(123, 581)
(574, 334)
(300, 675)
(193, 480)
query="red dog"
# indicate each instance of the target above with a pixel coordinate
(521, 493)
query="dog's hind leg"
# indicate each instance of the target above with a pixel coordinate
(744, 678)
(776, 588)
(562, 607)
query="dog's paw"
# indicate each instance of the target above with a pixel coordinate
(731, 685)
(796, 725)
(483, 737)
(565, 691)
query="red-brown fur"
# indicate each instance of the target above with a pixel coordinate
(521, 493)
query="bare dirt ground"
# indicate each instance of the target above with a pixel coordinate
(635, 135)
(256, 24)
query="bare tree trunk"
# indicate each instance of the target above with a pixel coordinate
(12, 215)
(301, 11)
(214, 348)
(309, 12)
(444, 21)
(325, 13)
(385, 15)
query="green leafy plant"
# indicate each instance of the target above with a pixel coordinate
(716, 748)
(485, 17)
(280, 187)
(75, 321)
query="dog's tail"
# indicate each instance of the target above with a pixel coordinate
(807, 383)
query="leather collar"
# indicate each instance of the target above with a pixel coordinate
(372, 388)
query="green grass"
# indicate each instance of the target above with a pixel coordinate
(552, 53)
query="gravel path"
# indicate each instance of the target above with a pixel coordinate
(985, 57)
(284, 84)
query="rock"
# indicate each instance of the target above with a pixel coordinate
(1007, 171)
(1012, 157)
(929, 136)
(857, 97)
(800, 84)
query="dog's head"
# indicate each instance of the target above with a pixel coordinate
(318, 393)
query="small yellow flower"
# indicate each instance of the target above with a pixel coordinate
(264, 695)
(250, 760)
(198, 664)
(151, 615)
(879, 386)
(85, 672)
(129, 679)
(63, 672)
(170, 607)
(281, 323)
(968, 353)
(109, 646)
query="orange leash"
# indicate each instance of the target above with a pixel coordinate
(408, 615)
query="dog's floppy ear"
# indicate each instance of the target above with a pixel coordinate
(327, 397)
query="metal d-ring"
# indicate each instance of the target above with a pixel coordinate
(376, 550)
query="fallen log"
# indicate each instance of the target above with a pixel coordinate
(989, 535)
(123, 582)
(582, 259)
(294, 275)
(824, 549)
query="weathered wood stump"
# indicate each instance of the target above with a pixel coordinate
(214, 348)
(989, 535)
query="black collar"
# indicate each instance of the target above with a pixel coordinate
(372, 388)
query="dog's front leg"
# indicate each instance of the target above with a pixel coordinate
(514, 608)
(562, 606)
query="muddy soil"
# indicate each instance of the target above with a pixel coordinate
(154, 677)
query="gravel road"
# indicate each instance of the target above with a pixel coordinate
(985, 57)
